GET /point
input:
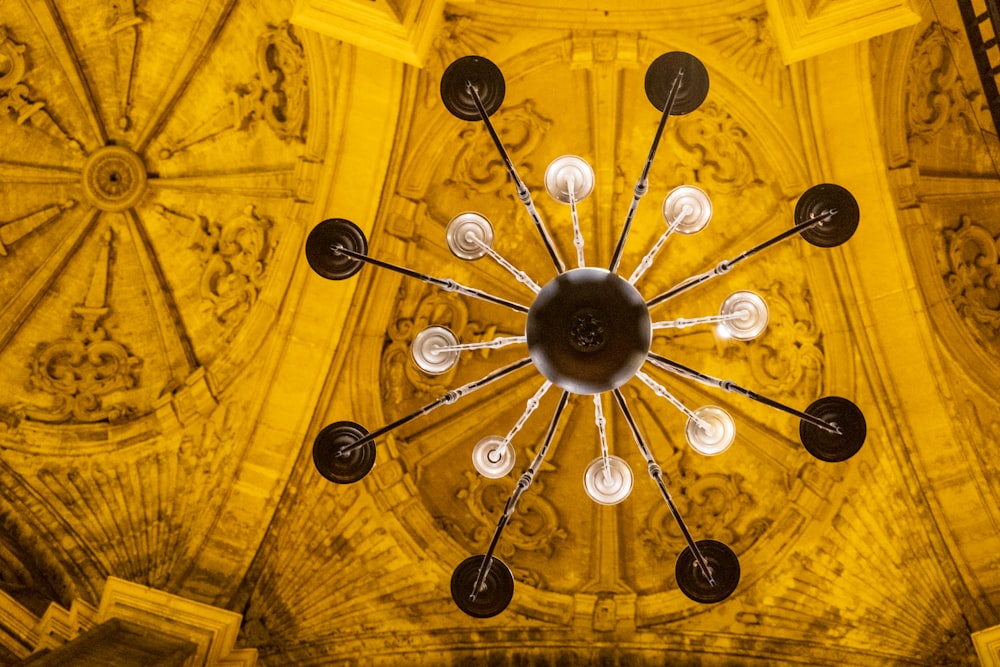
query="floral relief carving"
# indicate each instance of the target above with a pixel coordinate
(535, 526)
(15, 95)
(85, 372)
(713, 504)
(235, 255)
(479, 168)
(935, 92)
(788, 358)
(278, 95)
(972, 275)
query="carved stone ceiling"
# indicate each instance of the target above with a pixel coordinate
(167, 356)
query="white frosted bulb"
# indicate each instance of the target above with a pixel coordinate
(492, 457)
(608, 487)
(715, 432)
(429, 353)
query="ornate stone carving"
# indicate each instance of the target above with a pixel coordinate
(14, 95)
(935, 93)
(85, 372)
(713, 504)
(972, 275)
(713, 151)
(14, 230)
(125, 36)
(748, 42)
(114, 178)
(534, 526)
(478, 168)
(788, 358)
(278, 95)
(234, 256)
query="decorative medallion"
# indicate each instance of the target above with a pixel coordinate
(114, 178)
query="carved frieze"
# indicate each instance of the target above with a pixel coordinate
(278, 95)
(16, 100)
(86, 372)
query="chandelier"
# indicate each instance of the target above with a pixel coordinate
(589, 331)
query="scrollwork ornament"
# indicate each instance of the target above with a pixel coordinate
(478, 169)
(713, 504)
(86, 371)
(534, 527)
(973, 275)
(282, 66)
(935, 91)
(235, 255)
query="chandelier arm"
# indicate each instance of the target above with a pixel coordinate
(662, 392)
(522, 485)
(603, 433)
(679, 369)
(642, 185)
(522, 190)
(657, 474)
(494, 344)
(681, 322)
(647, 261)
(446, 399)
(725, 266)
(528, 410)
(578, 241)
(448, 284)
(521, 276)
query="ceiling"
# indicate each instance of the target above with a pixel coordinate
(167, 356)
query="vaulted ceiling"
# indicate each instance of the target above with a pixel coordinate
(167, 356)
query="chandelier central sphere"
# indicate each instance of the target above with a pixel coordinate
(588, 331)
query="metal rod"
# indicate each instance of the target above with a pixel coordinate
(679, 369)
(520, 275)
(528, 410)
(681, 322)
(647, 261)
(494, 344)
(603, 433)
(642, 185)
(657, 474)
(448, 284)
(522, 190)
(662, 392)
(725, 266)
(446, 399)
(522, 484)
(577, 234)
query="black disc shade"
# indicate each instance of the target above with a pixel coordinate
(723, 565)
(481, 73)
(694, 84)
(588, 331)
(342, 468)
(496, 592)
(828, 446)
(821, 198)
(322, 243)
